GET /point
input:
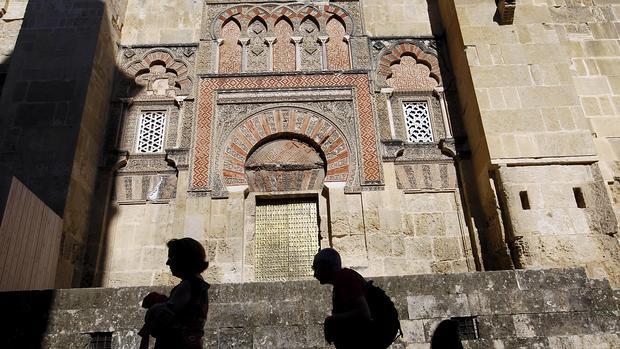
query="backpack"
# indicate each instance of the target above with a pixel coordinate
(384, 315)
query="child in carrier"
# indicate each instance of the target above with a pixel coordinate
(177, 321)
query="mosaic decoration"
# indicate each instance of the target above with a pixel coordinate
(310, 46)
(257, 50)
(370, 166)
(418, 122)
(285, 37)
(230, 50)
(409, 75)
(323, 133)
(284, 48)
(287, 238)
(285, 165)
(160, 73)
(151, 134)
(337, 47)
(405, 51)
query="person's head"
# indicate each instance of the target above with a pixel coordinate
(325, 265)
(446, 336)
(186, 257)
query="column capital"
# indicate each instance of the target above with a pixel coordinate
(296, 39)
(323, 39)
(270, 40)
(244, 41)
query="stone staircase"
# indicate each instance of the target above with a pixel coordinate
(555, 308)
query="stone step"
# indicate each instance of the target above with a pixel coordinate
(516, 308)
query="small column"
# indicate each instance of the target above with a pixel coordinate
(347, 39)
(244, 55)
(297, 41)
(388, 94)
(217, 43)
(270, 42)
(323, 41)
(444, 110)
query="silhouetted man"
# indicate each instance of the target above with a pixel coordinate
(349, 326)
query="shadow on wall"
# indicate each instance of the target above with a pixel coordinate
(463, 164)
(489, 246)
(53, 131)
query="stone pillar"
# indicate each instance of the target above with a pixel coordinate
(347, 39)
(323, 41)
(297, 41)
(270, 41)
(244, 53)
(444, 110)
(388, 94)
(216, 65)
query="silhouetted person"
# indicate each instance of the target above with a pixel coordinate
(177, 321)
(349, 326)
(446, 336)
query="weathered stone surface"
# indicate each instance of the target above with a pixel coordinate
(512, 309)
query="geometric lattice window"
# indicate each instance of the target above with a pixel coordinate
(468, 327)
(151, 133)
(286, 240)
(100, 340)
(418, 122)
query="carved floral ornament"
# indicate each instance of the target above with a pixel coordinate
(406, 67)
(285, 123)
(159, 74)
(274, 37)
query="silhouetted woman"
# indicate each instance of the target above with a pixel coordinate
(177, 321)
(446, 336)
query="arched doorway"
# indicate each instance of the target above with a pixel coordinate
(288, 172)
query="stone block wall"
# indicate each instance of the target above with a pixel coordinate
(405, 17)
(559, 308)
(11, 19)
(54, 107)
(523, 92)
(391, 232)
(589, 33)
(162, 22)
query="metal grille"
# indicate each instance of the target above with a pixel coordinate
(418, 122)
(468, 327)
(151, 134)
(287, 238)
(100, 340)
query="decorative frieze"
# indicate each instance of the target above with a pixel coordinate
(365, 122)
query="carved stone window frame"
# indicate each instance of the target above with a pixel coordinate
(434, 109)
(249, 230)
(131, 126)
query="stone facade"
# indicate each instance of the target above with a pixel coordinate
(429, 142)
(380, 197)
(419, 156)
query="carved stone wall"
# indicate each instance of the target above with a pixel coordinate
(285, 165)
(311, 44)
(302, 30)
(286, 122)
(338, 55)
(364, 123)
(257, 52)
(285, 59)
(230, 49)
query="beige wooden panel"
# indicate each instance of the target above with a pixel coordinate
(30, 235)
